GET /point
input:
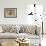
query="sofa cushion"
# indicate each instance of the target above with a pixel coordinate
(9, 28)
(30, 29)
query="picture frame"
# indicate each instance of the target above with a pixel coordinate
(10, 12)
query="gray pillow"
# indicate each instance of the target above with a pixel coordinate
(22, 29)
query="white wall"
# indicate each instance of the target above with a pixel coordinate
(21, 11)
(19, 4)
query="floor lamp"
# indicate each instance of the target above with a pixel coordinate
(42, 26)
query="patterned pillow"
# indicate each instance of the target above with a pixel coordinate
(30, 29)
(13, 29)
(9, 28)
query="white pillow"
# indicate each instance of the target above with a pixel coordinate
(1, 30)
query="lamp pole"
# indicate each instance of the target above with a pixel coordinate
(42, 29)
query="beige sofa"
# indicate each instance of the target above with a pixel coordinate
(14, 31)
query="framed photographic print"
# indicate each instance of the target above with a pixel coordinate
(10, 12)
